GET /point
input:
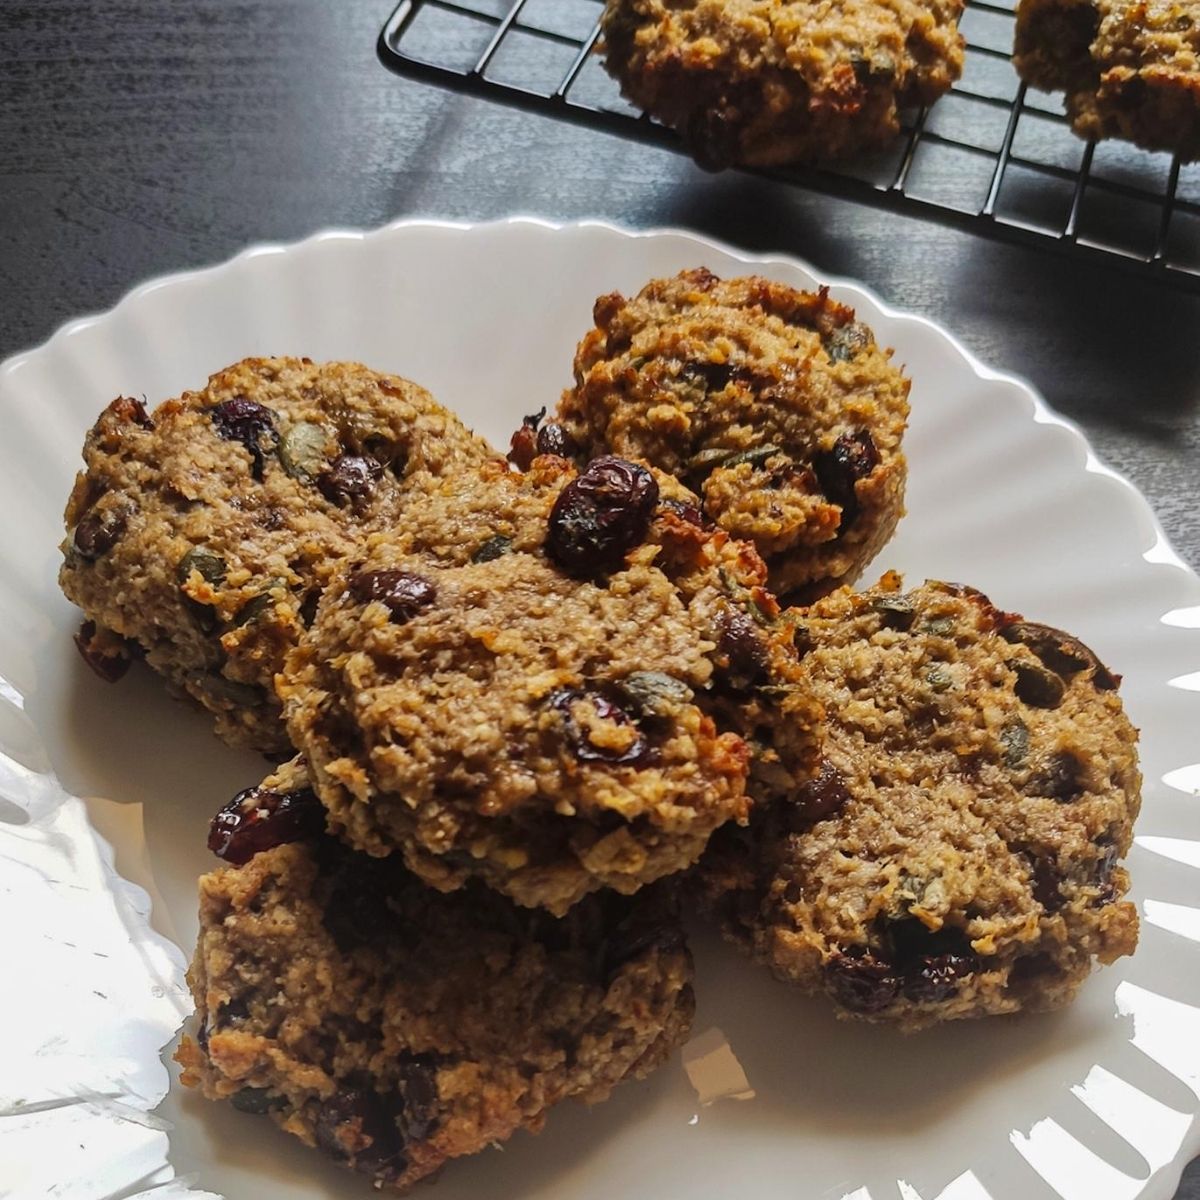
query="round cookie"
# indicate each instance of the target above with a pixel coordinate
(775, 405)
(956, 853)
(394, 1027)
(579, 709)
(201, 536)
(769, 82)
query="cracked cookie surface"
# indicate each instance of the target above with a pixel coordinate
(202, 534)
(1130, 68)
(768, 82)
(394, 1027)
(774, 405)
(571, 692)
(957, 853)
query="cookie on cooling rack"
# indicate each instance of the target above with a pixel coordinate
(957, 853)
(393, 1027)
(776, 406)
(770, 82)
(1129, 70)
(575, 704)
(201, 535)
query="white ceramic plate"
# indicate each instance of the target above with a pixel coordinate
(100, 785)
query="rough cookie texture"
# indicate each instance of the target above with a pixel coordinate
(768, 82)
(573, 702)
(1130, 68)
(775, 405)
(956, 853)
(201, 535)
(394, 1027)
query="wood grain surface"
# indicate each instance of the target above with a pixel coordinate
(144, 136)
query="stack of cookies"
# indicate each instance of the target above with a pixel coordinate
(525, 708)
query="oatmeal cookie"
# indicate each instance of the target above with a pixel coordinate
(1130, 68)
(394, 1027)
(956, 854)
(572, 703)
(775, 405)
(768, 82)
(201, 536)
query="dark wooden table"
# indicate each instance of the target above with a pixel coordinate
(145, 136)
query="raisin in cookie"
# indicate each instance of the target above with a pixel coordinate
(575, 705)
(775, 405)
(767, 82)
(956, 854)
(201, 535)
(394, 1027)
(1129, 70)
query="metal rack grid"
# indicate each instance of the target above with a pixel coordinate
(989, 157)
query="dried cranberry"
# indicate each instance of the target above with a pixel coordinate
(403, 593)
(690, 513)
(109, 659)
(601, 515)
(417, 1088)
(1044, 881)
(823, 795)
(357, 1125)
(741, 645)
(1062, 653)
(524, 443)
(351, 478)
(1063, 778)
(712, 137)
(99, 531)
(126, 408)
(936, 977)
(563, 702)
(861, 982)
(242, 420)
(554, 439)
(256, 820)
(852, 457)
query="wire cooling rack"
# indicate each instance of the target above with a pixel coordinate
(989, 157)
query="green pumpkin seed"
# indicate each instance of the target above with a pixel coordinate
(939, 679)
(302, 451)
(1014, 737)
(211, 567)
(492, 549)
(258, 605)
(256, 1101)
(653, 693)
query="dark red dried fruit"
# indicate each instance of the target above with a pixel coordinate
(712, 137)
(523, 445)
(358, 1125)
(554, 439)
(1030, 967)
(852, 457)
(129, 409)
(100, 530)
(1063, 778)
(351, 479)
(642, 932)
(690, 513)
(740, 644)
(861, 982)
(108, 657)
(563, 702)
(936, 977)
(1062, 653)
(242, 420)
(1044, 881)
(256, 820)
(417, 1089)
(823, 795)
(601, 515)
(404, 593)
